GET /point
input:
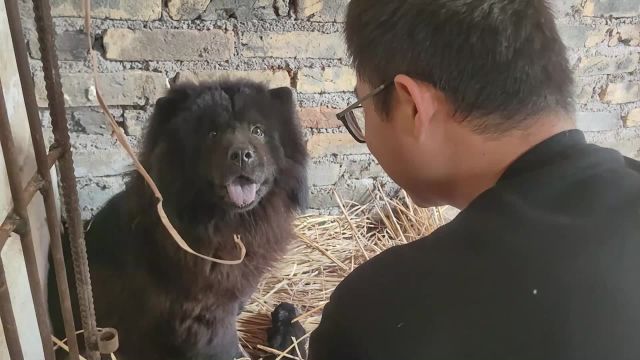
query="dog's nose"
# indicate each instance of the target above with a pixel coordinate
(241, 155)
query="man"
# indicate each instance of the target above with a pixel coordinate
(468, 103)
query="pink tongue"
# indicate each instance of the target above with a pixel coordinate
(242, 194)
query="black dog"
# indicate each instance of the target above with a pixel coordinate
(229, 158)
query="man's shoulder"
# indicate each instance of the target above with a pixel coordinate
(395, 267)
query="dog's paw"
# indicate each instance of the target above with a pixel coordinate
(283, 330)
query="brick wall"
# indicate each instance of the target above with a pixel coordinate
(147, 44)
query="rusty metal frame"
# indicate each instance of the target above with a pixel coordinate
(20, 213)
(8, 319)
(17, 220)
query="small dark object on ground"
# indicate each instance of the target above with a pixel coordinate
(283, 330)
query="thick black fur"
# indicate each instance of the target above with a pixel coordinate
(166, 303)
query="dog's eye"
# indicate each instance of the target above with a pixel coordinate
(213, 134)
(257, 131)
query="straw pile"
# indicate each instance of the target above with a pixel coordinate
(326, 250)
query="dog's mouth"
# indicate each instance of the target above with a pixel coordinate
(242, 191)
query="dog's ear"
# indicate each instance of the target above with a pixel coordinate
(294, 179)
(167, 107)
(283, 104)
(296, 184)
(283, 95)
(173, 102)
(165, 110)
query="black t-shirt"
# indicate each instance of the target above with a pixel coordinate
(544, 265)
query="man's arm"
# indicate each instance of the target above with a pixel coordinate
(331, 340)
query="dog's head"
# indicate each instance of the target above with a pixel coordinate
(227, 144)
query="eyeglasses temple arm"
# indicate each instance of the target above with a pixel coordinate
(359, 102)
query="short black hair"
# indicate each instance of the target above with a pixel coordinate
(498, 61)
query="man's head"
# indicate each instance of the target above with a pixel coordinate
(456, 72)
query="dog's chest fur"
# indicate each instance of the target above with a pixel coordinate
(202, 295)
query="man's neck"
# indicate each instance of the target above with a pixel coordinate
(484, 159)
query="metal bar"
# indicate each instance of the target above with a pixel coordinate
(20, 205)
(12, 221)
(8, 319)
(8, 226)
(44, 162)
(55, 96)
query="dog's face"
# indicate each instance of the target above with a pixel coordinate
(241, 157)
(231, 143)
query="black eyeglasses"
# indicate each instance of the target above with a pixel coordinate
(353, 116)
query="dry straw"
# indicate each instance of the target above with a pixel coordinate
(326, 250)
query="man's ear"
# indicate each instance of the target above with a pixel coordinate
(417, 101)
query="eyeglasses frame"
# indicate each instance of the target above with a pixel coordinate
(342, 115)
